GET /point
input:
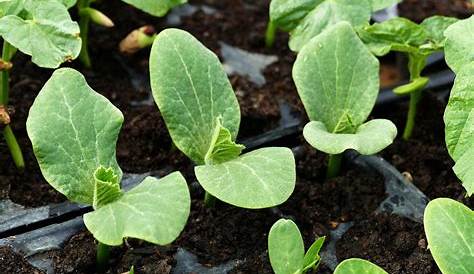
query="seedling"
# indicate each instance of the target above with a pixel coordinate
(337, 79)
(74, 132)
(305, 19)
(286, 249)
(87, 14)
(41, 29)
(449, 228)
(202, 114)
(417, 41)
(358, 266)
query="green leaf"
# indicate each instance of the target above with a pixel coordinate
(68, 3)
(155, 211)
(358, 266)
(10, 7)
(191, 90)
(449, 228)
(106, 188)
(258, 179)
(286, 14)
(436, 25)
(223, 148)
(370, 138)
(325, 15)
(311, 258)
(383, 4)
(48, 35)
(464, 171)
(74, 131)
(337, 77)
(417, 84)
(155, 7)
(285, 247)
(460, 43)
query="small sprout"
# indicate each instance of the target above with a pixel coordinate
(449, 228)
(202, 114)
(74, 132)
(138, 39)
(358, 266)
(337, 79)
(286, 249)
(97, 17)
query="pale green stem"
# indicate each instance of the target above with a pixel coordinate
(103, 256)
(270, 34)
(334, 165)
(84, 21)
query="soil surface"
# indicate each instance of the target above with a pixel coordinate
(417, 10)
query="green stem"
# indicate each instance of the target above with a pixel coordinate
(84, 21)
(334, 165)
(270, 34)
(7, 54)
(209, 200)
(15, 149)
(103, 256)
(415, 98)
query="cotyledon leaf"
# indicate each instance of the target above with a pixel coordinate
(74, 131)
(191, 90)
(449, 228)
(68, 3)
(460, 43)
(10, 7)
(48, 35)
(325, 15)
(336, 75)
(464, 171)
(286, 14)
(258, 179)
(285, 247)
(155, 211)
(358, 266)
(155, 7)
(369, 138)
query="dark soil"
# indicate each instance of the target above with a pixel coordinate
(417, 10)
(11, 262)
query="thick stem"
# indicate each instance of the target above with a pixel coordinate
(270, 34)
(410, 123)
(209, 200)
(15, 149)
(103, 256)
(334, 165)
(7, 54)
(84, 21)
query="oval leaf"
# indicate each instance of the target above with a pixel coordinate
(258, 179)
(285, 247)
(325, 15)
(74, 131)
(49, 36)
(449, 228)
(370, 137)
(358, 266)
(10, 7)
(336, 76)
(287, 14)
(459, 44)
(465, 172)
(155, 7)
(192, 91)
(155, 211)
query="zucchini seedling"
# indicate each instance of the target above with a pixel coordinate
(74, 132)
(286, 249)
(417, 41)
(202, 114)
(41, 29)
(337, 79)
(304, 19)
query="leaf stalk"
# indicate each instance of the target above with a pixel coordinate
(84, 20)
(270, 34)
(334, 165)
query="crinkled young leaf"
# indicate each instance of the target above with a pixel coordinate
(336, 77)
(383, 4)
(460, 44)
(325, 15)
(74, 131)
(286, 14)
(10, 7)
(155, 211)
(286, 247)
(48, 35)
(370, 138)
(155, 7)
(449, 228)
(358, 266)
(106, 187)
(465, 171)
(436, 25)
(223, 148)
(258, 179)
(191, 90)
(312, 258)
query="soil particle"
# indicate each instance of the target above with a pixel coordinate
(11, 262)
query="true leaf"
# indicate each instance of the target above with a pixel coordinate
(192, 91)
(223, 148)
(73, 136)
(106, 187)
(449, 228)
(265, 176)
(311, 258)
(286, 247)
(287, 14)
(358, 266)
(68, 3)
(10, 7)
(435, 26)
(464, 171)
(155, 211)
(370, 138)
(48, 34)
(155, 7)
(460, 43)
(337, 77)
